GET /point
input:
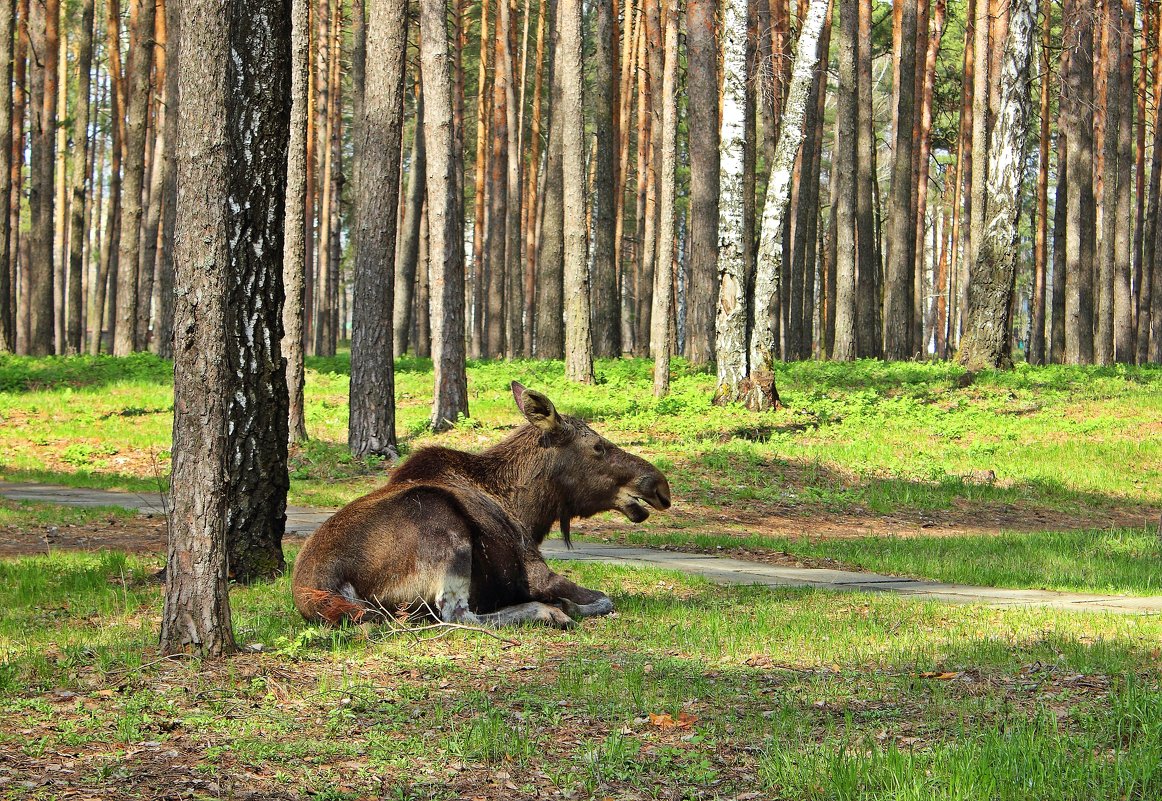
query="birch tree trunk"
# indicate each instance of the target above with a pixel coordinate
(769, 266)
(987, 338)
(578, 338)
(372, 423)
(445, 266)
(733, 299)
(661, 328)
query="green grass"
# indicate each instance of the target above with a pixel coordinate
(31, 515)
(792, 694)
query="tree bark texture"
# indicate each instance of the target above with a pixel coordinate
(987, 341)
(847, 114)
(661, 325)
(606, 326)
(38, 269)
(445, 265)
(371, 429)
(294, 229)
(409, 243)
(1077, 123)
(7, 31)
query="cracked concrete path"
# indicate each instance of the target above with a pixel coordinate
(721, 570)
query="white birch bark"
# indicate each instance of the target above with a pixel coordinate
(730, 322)
(986, 342)
(770, 255)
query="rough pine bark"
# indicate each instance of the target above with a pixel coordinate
(445, 269)
(371, 428)
(495, 327)
(869, 334)
(733, 272)
(987, 341)
(927, 82)
(169, 189)
(844, 344)
(606, 326)
(661, 324)
(513, 274)
(1109, 169)
(296, 215)
(147, 312)
(702, 124)
(1124, 216)
(229, 476)
(409, 244)
(532, 184)
(38, 269)
(7, 31)
(1036, 350)
(578, 338)
(648, 225)
(1077, 124)
(78, 160)
(1060, 207)
(137, 69)
(549, 331)
(899, 274)
(480, 169)
(774, 223)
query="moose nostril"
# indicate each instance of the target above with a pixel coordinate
(659, 488)
(663, 492)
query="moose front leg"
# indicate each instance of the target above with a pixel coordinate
(577, 601)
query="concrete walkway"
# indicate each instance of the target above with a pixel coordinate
(721, 570)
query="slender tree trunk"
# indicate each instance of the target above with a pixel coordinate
(927, 80)
(137, 71)
(423, 332)
(1036, 350)
(1077, 122)
(869, 336)
(649, 225)
(20, 100)
(152, 217)
(38, 271)
(1060, 210)
(446, 273)
(1104, 341)
(844, 348)
(481, 172)
(899, 270)
(1140, 162)
(7, 31)
(531, 185)
(661, 324)
(495, 320)
(78, 158)
(61, 195)
(510, 268)
(631, 309)
(409, 245)
(1123, 322)
(372, 423)
(578, 338)
(549, 332)
(297, 213)
(987, 339)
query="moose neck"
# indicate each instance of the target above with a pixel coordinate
(520, 471)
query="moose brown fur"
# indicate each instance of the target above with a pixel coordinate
(459, 532)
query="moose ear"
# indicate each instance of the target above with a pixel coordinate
(536, 408)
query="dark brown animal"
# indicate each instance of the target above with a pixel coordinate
(460, 532)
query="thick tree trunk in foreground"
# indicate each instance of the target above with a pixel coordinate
(218, 253)
(445, 264)
(294, 228)
(372, 396)
(660, 318)
(768, 271)
(988, 336)
(702, 124)
(578, 338)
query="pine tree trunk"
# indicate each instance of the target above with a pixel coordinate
(511, 271)
(137, 71)
(1060, 211)
(7, 31)
(549, 332)
(78, 159)
(927, 79)
(423, 330)
(1036, 350)
(16, 175)
(532, 197)
(606, 326)
(649, 223)
(483, 135)
(962, 201)
(1104, 340)
(988, 338)
(578, 338)
(1123, 218)
(844, 347)
(294, 227)
(869, 336)
(497, 196)
(446, 273)
(1077, 124)
(147, 313)
(702, 124)
(230, 476)
(900, 269)
(661, 324)
(408, 249)
(372, 397)
(38, 271)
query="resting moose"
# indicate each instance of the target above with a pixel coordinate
(460, 532)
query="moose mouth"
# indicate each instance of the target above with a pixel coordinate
(636, 507)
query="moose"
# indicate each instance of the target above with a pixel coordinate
(458, 534)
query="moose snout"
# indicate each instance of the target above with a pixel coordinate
(655, 490)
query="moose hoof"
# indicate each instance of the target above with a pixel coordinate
(554, 617)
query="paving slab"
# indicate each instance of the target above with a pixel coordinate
(718, 569)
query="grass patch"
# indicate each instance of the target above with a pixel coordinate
(32, 515)
(690, 691)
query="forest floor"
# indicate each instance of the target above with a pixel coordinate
(1047, 477)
